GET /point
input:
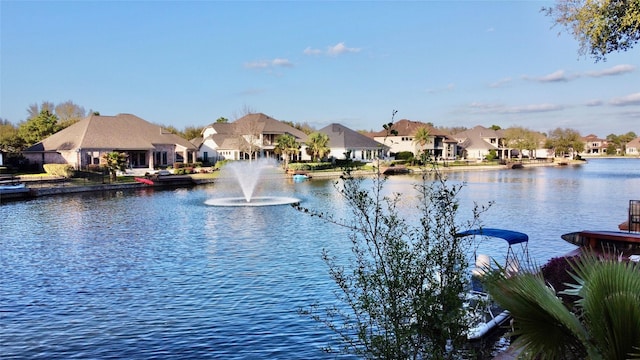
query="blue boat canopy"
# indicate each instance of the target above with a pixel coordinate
(512, 237)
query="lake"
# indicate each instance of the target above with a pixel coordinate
(159, 274)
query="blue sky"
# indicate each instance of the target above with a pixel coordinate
(452, 63)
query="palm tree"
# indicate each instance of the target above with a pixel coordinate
(422, 138)
(287, 146)
(604, 323)
(318, 145)
(115, 161)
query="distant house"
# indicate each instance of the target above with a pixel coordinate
(478, 142)
(633, 147)
(594, 145)
(349, 144)
(440, 146)
(83, 143)
(252, 135)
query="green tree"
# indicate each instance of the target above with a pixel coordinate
(222, 120)
(10, 141)
(565, 141)
(521, 139)
(421, 138)
(286, 146)
(191, 132)
(604, 323)
(402, 288)
(318, 146)
(621, 141)
(600, 26)
(115, 161)
(39, 127)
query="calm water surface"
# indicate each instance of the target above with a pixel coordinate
(158, 274)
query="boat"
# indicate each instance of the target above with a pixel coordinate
(605, 241)
(143, 180)
(300, 177)
(12, 188)
(486, 316)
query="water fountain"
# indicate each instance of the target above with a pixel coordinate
(248, 174)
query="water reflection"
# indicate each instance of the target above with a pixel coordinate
(142, 274)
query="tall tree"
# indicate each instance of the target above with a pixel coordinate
(191, 132)
(565, 141)
(287, 146)
(34, 109)
(69, 113)
(39, 127)
(222, 120)
(318, 146)
(249, 135)
(521, 139)
(600, 26)
(10, 141)
(421, 138)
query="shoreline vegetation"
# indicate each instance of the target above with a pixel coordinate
(46, 185)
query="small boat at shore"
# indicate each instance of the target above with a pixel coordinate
(485, 316)
(13, 188)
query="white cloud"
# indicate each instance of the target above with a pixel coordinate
(341, 48)
(267, 64)
(594, 102)
(629, 100)
(486, 108)
(616, 70)
(310, 51)
(556, 76)
(501, 82)
(334, 50)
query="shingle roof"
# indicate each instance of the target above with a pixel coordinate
(342, 137)
(123, 132)
(267, 125)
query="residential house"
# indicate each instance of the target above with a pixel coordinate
(402, 139)
(349, 144)
(253, 135)
(633, 147)
(478, 142)
(147, 145)
(594, 145)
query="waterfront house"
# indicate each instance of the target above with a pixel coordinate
(478, 142)
(594, 145)
(402, 139)
(251, 136)
(633, 147)
(82, 144)
(349, 144)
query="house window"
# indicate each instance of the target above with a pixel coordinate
(160, 157)
(205, 156)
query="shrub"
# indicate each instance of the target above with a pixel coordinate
(404, 155)
(178, 165)
(63, 170)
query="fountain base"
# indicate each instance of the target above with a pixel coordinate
(255, 201)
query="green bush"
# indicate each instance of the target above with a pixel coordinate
(404, 155)
(311, 166)
(63, 170)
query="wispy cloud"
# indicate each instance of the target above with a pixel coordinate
(502, 109)
(629, 100)
(616, 70)
(449, 87)
(268, 64)
(594, 102)
(501, 82)
(333, 50)
(556, 76)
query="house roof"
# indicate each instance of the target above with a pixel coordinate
(406, 127)
(634, 143)
(122, 131)
(479, 132)
(267, 125)
(342, 137)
